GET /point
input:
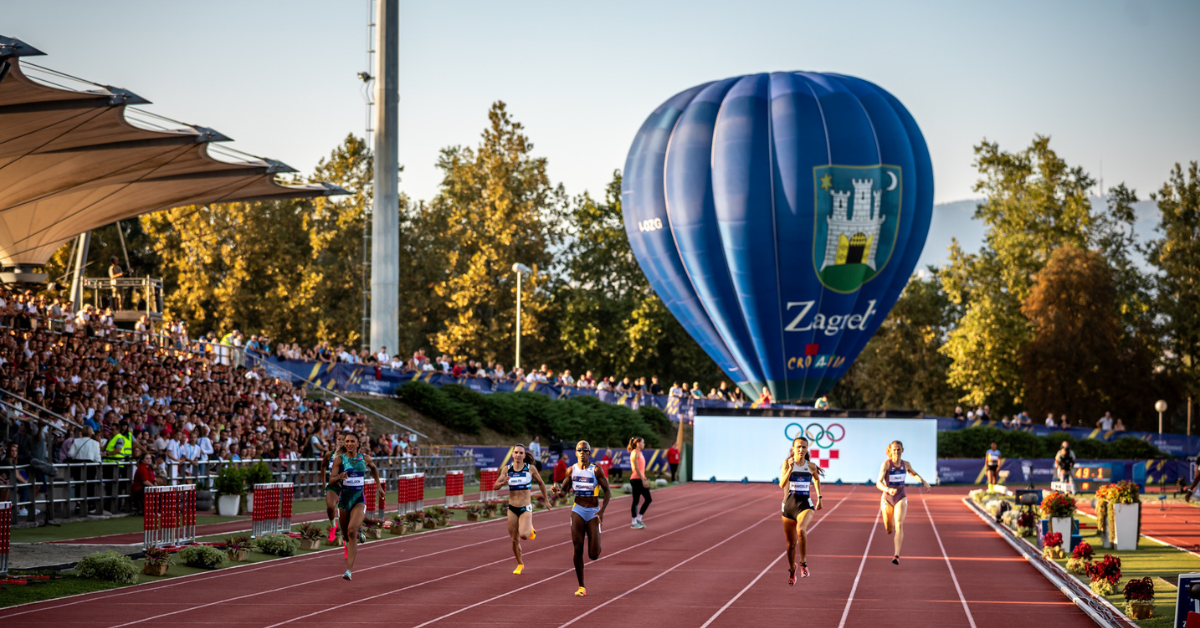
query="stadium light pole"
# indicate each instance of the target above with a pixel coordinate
(1161, 406)
(385, 212)
(520, 269)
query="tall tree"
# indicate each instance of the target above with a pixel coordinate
(1070, 364)
(495, 207)
(610, 320)
(1034, 203)
(902, 366)
(1176, 257)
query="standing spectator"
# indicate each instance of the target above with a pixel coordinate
(1064, 462)
(764, 398)
(85, 452)
(1064, 424)
(1106, 422)
(1050, 420)
(143, 476)
(673, 462)
(560, 470)
(958, 414)
(535, 450)
(1120, 427)
(115, 272)
(655, 387)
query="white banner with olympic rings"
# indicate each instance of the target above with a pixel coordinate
(730, 448)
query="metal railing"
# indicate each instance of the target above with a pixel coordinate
(144, 292)
(79, 489)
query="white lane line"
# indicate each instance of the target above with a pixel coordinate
(770, 566)
(572, 570)
(967, 609)
(853, 589)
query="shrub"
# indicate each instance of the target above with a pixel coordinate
(109, 566)
(1123, 492)
(230, 480)
(202, 556)
(1056, 505)
(258, 473)
(414, 517)
(157, 556)
(455, 409)
(1139, 590)
(1106, 570)
(1025, 531)
(277, 544)
(973, 441)
(1077, 566)
(236, 543)
(309, 531)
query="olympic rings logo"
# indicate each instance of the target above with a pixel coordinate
(815, 432)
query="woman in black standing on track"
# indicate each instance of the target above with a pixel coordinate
(800, 478)
(588, 512)
(519, 476)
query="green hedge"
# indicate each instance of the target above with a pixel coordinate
(513, 414)
(972, 442)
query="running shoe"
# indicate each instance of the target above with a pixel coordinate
(792, 575)
(803, 570)
(532, 534)
(581, 592)
(638, 525)
(346, 576)
(517, 571)
(362, 536)
(895, 560)
(332, 532)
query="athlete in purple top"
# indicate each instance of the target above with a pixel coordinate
(894, 502)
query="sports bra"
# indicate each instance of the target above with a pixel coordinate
(583, 481)
(519, 480)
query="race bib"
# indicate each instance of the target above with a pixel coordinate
(583, 486)
(800, 486)
(518, 480)
(896, 478)
(356, 479)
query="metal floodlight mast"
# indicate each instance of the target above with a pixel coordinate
(519, 269)
(385, 236)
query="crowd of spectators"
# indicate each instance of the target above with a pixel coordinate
(78, 393)
(1022, 419)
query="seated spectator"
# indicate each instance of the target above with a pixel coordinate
(696, 392)
(1050, 420)
(958, 414)
(1119, 426)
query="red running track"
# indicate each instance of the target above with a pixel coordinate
(709, 557)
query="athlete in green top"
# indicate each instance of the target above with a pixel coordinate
(350, 469)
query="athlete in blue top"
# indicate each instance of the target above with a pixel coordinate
(350, 469)
(520, 476)
(800, 478)
(894, 502)
(587, 480)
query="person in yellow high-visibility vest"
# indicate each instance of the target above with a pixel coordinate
(118, 449)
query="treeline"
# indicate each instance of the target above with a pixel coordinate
(1054, 314)
(972, 442)
(514, 414)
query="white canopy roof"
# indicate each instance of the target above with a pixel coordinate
(70, 162)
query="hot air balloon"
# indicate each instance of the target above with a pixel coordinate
(779, 216)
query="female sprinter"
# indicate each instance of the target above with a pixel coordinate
(637, 465)
(350, 468)
(801, 478)
(894, 502)
(519, 476)
(331, 490)
(588, 512)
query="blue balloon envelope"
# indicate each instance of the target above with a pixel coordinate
(779, 216)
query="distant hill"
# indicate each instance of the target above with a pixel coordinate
(956, 220)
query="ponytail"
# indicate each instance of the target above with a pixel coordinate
(632, 446)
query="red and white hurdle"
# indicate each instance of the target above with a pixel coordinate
(272, 509)
(376, 501)
(487, 479)
(169, 515)
(5, 534)
(454, 488)
(411, 493)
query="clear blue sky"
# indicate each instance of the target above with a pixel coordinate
(1115, 81)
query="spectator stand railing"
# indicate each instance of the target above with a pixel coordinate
(272, 509)
(169, 516)
(149, 294)
(487, 479)
(6, 512)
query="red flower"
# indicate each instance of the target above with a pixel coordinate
(1083, 551)
(1141, 590)
(1053, 539)
(1108, 569)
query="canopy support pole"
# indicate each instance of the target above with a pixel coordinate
(81, 255)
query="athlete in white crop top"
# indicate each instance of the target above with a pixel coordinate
(588, 482)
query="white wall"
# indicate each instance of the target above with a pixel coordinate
(734, 447)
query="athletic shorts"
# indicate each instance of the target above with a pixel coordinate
(349, 498)
(993, 467)
(587, 513)
(794, 504)
(333, 488)
(520, 510)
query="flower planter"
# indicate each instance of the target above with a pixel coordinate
(417, 527)
(311, 544)
(1141, 610)
(1125, 526)
(337, 540)
(155, 570)
(1062, 525)
(397, 529)
(236, 556)
(227, 505)
(471, 516)
(204, 500)
(375, 533)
